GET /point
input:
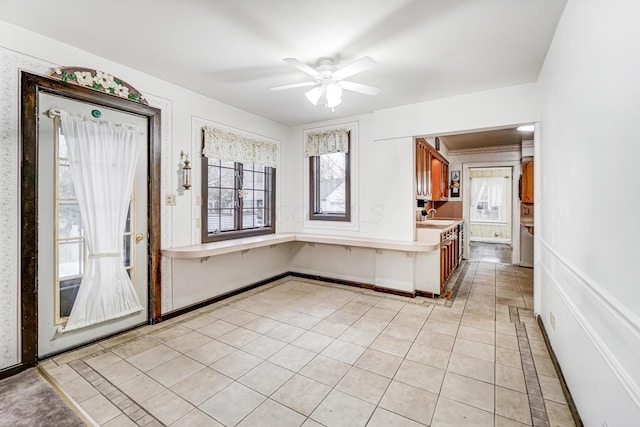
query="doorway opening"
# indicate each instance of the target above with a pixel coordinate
(490, 214)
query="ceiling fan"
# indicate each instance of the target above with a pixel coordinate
(329, 80)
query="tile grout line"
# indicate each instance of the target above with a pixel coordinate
(537, 406)
(113, 394)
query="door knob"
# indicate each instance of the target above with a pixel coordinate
(139, 237)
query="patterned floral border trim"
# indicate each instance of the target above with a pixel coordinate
(98, 80)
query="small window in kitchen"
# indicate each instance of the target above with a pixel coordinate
(329, 175)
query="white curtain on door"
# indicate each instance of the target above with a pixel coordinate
(102, 158)
(488, 198)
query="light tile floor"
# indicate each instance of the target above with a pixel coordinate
(298, 352)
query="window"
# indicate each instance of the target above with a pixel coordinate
(239, 199)
(329, 182)
(238, 185)
(329, 175)
(488, 199)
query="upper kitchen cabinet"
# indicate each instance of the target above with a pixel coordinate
(432, 172)
(526, 183)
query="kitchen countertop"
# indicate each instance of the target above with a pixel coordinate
(206, 250)
(430, 232)
(427, 223)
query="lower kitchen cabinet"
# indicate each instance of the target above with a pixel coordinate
(450, 252)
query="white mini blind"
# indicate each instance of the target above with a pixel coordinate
(326, 142)
(231, 147)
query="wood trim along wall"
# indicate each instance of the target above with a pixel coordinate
(31, 86)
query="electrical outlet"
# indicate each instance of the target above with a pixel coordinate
(197, 223)
(552, 320)
(198, 200)
(170, 199)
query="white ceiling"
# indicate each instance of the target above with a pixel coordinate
(232, 51)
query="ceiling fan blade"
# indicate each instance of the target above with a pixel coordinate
(356, 67)
(302, 66)
(293, 86)
(359, 87)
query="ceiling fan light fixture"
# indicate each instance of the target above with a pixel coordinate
(329, 80)
(334, 95)
(314, 94)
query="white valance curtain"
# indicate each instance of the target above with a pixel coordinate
(326, 142)
(223, 145)
(102, 158)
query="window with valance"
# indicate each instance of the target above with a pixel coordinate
(238, 185)
(329, 173)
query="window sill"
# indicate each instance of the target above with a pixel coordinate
(329, 217)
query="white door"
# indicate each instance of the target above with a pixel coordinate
(61, 248)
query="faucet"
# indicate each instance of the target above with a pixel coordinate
(426, 213)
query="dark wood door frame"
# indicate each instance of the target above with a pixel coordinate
(31, 86)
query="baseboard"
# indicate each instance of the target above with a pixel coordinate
(235, 292)
(563, 383)
(221, 297)
(355, 284)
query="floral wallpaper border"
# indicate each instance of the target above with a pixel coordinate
(98, 80)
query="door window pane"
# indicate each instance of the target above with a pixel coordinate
(68, 292)
(69, 221)
(70, 258)
(65, 183)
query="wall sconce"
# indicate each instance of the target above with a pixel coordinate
(186, 170)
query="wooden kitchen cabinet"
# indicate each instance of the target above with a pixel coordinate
(526, 182)
(450, 253)
(423, 170)
(432, 172)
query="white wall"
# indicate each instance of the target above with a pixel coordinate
(23, 50)
(480, 110)
(589, 92)
(383, 193)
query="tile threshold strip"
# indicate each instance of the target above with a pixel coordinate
(126, 405)
(538, 409)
